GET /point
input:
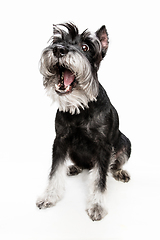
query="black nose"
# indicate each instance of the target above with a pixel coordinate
(59, 51)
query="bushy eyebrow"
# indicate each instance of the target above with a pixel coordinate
(72, 30)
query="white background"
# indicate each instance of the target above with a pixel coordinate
(130, 74)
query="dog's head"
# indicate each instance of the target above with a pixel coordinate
(69, 66)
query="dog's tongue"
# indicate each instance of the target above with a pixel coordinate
(68, 77)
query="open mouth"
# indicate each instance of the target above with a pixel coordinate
(66, 82)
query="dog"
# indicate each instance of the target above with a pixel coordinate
(86, 124)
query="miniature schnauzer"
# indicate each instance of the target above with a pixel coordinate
(86, 124)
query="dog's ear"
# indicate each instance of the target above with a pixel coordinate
(103, 37)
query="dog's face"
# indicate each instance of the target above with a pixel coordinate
(70, 64)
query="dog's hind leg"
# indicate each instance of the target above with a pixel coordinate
(121, 155)
(73, 170)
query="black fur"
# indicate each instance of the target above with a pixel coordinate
(88, 137)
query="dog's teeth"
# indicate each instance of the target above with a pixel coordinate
(62, 77)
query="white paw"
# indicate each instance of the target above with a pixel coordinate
(96, 212)
(43, 203)
(48, 200)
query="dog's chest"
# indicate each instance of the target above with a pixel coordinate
(86, 127)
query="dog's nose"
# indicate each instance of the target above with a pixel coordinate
(60, 51)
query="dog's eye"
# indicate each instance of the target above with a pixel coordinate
(85, 47)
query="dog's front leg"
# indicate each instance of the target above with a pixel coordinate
(96, 206)
(56, 185)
